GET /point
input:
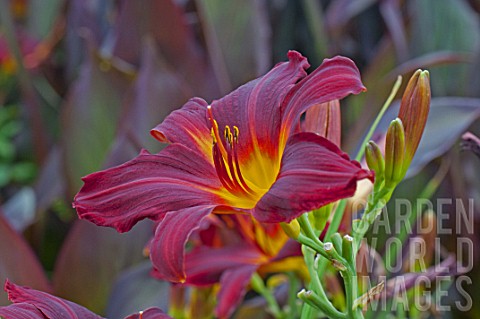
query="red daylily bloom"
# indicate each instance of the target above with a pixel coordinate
(33, 304)
(241, 154)
(236, 246)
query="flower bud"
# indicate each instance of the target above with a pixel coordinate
(292, 229)
(375, 160)
(394, 153)
(413, 112)
(337, 242)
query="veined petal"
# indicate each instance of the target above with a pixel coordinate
(255, 106)
(325, 120)
(168, 245)
(333, 80)
(150, 313)
(205, 265)
(21, 311)
(148, 186)
(233, 286)
(188, 126)
(50, 306)
(314, 172)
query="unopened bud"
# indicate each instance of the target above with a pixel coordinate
(292, 229)
(375, 160)
(413, 112)
(337, 242)
(394, 153)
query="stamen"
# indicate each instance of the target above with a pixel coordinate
(221, 169)
(226, 158)
(236, 165)
(215, 132)
(228, 135)
(236, 132)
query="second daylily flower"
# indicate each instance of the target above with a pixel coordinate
(237, 246)
(240, 154)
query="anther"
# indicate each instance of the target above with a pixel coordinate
(236, 132)
(216, 134)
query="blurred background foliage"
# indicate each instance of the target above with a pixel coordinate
(83, 82)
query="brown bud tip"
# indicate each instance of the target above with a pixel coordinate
(414, 110)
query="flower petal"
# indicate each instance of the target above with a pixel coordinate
(205, 265)
(148, 186)
(150, 313)
(188, 126)
(255, 106)
(168, 246)
(233, 286)
(314, 172)
(333, 80)
(325, 120)
(52, 307)
(21, 311)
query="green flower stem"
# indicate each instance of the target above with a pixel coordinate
(340, 210)
(312, 299)
(427, 192)
(316, 245)
(293, 283)
(375, 204)
(308, 312)
(259, 286)
(385, 106)
(336, 219)
(351, 289)
(315, 299)
(310, 246)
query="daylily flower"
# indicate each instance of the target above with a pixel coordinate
(33, 304)
(237, 246)
(239, 154)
